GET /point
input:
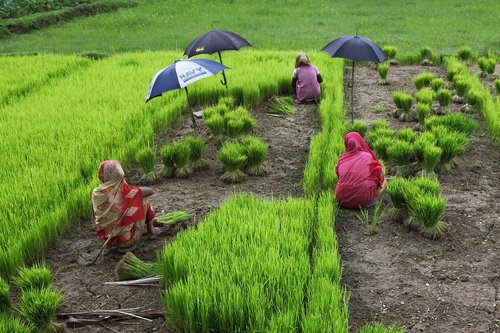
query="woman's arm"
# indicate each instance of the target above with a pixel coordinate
(146, 191)
(294, 84)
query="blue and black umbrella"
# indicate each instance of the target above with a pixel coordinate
(355, 48)
(216, 41)
(181, 74)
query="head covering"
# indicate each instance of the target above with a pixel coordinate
(113, 200)
(301, 59)
(354, 142)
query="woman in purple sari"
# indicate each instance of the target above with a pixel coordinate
(306, 79)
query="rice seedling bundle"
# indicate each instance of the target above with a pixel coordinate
(400, 152)
(281, 105)
(174, 217)
(422, 80)
(451, 143)
(431, 157)
(209, 112)
(248, 121)
(181, 157)
(37, 277)
(464, 53)
(256, 153)
(232, 155)
(39, 306)
(390, 51)
(358, 126)
(373, 136)
(423, 111)
(426, 211)
(443, 96)
(425, 96)
(167, 156)
(454, 68)
(427, 186)
(402, 100)
(436, 84)
(379, 124)
(216, 125)
(397, 189)
(4, 296)
(132, 268)
(383, 70)
(380, 328)
(12, 324)
(406, 134)
(487, 65)
(462, 86)
(234, 127)
(380, 147)
(196, 147)
(227, 101)
(426, 53)
(497, 86)
(475, 97)
(454, 122)
(423, 140)
(146, 160)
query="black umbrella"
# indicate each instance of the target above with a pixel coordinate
(216, 41)
(355, 48)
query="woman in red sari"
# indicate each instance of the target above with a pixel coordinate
(360, 174)
(116, 201)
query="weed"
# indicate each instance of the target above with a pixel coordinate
(146, 160)
(426, 53)
(465, 53)
(364, 217)
(196, 148)
(406, 134)
(390, 51)
(281, 105)
(444, 97)
(36, 277)
(4, 296)
(358, 126)
(426, 211)
(232, 155)
(256, 153)
(423, 80)
(437, 83)
(383, 70)
(378, 109)
(132, 268)
(423, 111)
(39, 307)
(168, 157)
(425, 96)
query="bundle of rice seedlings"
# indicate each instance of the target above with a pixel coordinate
(426, 138)
(426, 211)
(426, 53)
(422, 80)
(379, 124)
(232, 155)
(373, 136)
(256, 153)
(400, 152)
(497, 86)
(181, 157)
(248, 121)
(132, 268)
(451, 143)
(487, 65)
(380, 147)
(390, 51)
(281, 105)
(406, 134)
(216, 125)
(454, 122)
(36, 277)
(234, 127)
(397, 190)
(475, 97)
(174, 217)
(462, 85)
(11, 324)
(427, 186)
(403, 102)
(425, 96)
(4, 296)
(423, 111)
(358, 126)
(431, 157)
(39, 307)
(380, 328)
(208, 112)
(146, 160)
(196, 147)
(383, 70)
(227, 101)
(464, 53)
(167, 156)
(444, 97)
(437, 83)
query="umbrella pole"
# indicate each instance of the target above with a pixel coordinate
(224, 82)
(190, 110)
(352, 94)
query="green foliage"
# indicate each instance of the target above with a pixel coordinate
(444, 97)
(428, 186)
(11, 324)
(378, 109)
(425, 96)
(462, 85)
(475, 97)
(132, 268)
(227, 101)
(39, 307)
(423, 111)
(281, 105)
(238, 122)
(487, 64)
(168, 157)
(497, 86)
(232, 155)
(400, 152)
(380, 328)
(406, 134)
(174, 217)
(37, 277)
(4, 296)
(437, 83)
(451, 143)
(146, 160)
(424, 79)
(256, 153)
(383, 70)
(370, 226)
(373, 136)
(390, 51)
(465, 53)
(426, 211)
(397, 189)
(215, 125)
(380, 146)
(181, 157)
(454, 122)
(426, 53)
(431, 157)
(358, 126)
(423, 140)
(379, 124)
(402, 100)
(196, 148)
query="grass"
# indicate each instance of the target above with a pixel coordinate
(151, 26)
(4, 296)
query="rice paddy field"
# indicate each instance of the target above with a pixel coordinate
(273, 252)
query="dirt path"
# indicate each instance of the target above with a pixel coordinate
(449, 284)
(288, 138)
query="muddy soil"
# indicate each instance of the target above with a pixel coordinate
(450, 284)
(288, 139)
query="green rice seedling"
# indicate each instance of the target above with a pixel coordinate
(181, 157)
(380, 146)
(248, 121)
(423, 111)
(406, 134)
(492, 62)
(462, 85)
(146, 160)
(383, 70)
(37, 276)
(379, 124)
(451, 143)
(132, 268)
(378, 109)
(437, 83)
(228, 101)
(373, 136)
(371, 227)
(464, 53)
(400, 152)
(234, 127)
(358, 126)
(431, 157)
(397, 189)
(487, 65)
(196, 147)
(167, 154)
(425, 96)
(403, 102)
(422, 80)
(232, 155)
(380, 328)
(39, 307)
(281, 105)
(423, 140)
(454, 122)
(174, 217)
(497, 86)
(444, 97)
(208, 112)
(426, 53)
(4, 296)
(238, 122)
(475, 97)
(427, 185)
(216, 125)
(256, 153)
(426, 212)
(12, 324)
(390, 51)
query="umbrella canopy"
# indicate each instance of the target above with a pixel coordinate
(355, 48)
(181, 74)
(215, 41)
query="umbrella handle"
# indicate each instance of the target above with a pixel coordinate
(224, 81)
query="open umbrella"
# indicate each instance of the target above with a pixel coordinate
(355, 48)
(181, 74)
(216, 41)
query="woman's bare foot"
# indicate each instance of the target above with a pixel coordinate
(153, 232)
